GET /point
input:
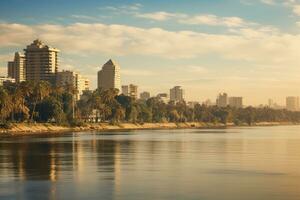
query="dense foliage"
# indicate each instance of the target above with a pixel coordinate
(41, 102)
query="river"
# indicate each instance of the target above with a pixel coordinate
(207, 164)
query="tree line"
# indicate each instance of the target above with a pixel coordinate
(43, 102)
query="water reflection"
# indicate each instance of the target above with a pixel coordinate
(181, 164)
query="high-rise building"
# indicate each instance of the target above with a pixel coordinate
(41, 62)
(235, 102)
(80, 83)
(130, 90)
(177, 94)
(292, 103)
(145, 95)
(163, 97)
(109, 76)
(16, 68)
(222, 100)
(4, 80)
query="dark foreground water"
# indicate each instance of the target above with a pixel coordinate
(238, 163)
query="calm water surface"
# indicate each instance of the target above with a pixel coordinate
(238, 163)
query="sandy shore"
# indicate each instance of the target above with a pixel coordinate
(41, 128)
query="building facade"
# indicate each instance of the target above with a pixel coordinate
(109, 76)
(16, 68)
(74, 79)
(176, 94)
(235, 102)
(4, 80)
(292, 103)
(130, 90)
(145, 95)
(222, 100)
(41, 62)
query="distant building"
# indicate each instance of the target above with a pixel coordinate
(145, 95)
(176, 94)
(109, 76)
(130, 90)
(235, 102)
(41, 62)
(208, 102)
(292, 103)
(163, 97)
(80, 83)
(4, 80)
(222, 100)
(192, 104)
(16, 68)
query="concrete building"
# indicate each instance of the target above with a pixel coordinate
(292, 103)
(130, 90)
(177, 94)
(16, 68)
(235, 102)
(163, 97)
(222, 100)
(66, 78)
(4, 80)
(41, 62)
(145, 95)
(109, 76)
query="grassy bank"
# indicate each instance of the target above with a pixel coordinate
(40, 128)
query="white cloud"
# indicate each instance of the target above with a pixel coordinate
(263, 45)
(269, 2)
(158, 16)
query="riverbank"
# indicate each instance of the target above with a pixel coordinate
(47, 128)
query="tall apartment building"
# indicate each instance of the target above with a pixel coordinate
(41, 62)
(16, 68)
(145, 95)
(292, 103)
(130, 90)
(80, 83)
(235, 102)
(222, 100)
(177, 94)
(109, 76)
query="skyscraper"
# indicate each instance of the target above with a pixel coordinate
(130, 90)
(109, 76)
(16, 68)
(235, 102)
(41, 62)
(292, 103)
(222, 100)
(176, 94)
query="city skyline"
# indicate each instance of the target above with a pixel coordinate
(248, 49)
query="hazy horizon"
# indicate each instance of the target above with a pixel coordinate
(244, 48)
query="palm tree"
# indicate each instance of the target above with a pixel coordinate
(6, 104)
(41, 90)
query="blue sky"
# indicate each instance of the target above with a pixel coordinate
(245, 48)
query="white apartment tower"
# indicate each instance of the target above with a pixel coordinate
(130, 90)
(109, 76)
(16, 68)
(292, 103)
(176, 94)
(235, 102)
(222, 100)
(74, 79)
(41, 62)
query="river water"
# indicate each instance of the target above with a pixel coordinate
(235, 163)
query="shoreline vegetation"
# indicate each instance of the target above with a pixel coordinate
(32, 107)
(23, 129)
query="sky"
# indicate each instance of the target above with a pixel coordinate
(248, 48)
